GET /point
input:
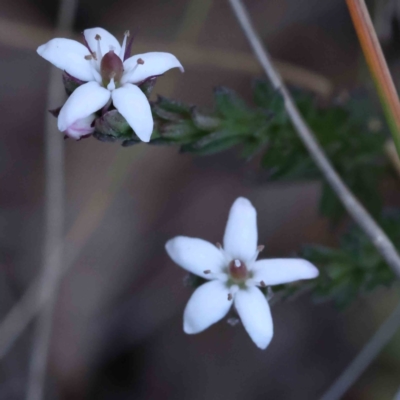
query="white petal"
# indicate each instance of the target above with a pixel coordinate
(283, 270)
(133, 105)
(155, 63)
(195, 255)
(209, 303)
(85, 100)
(69, 56)
(240, 239)
(107, 41)
(81, 127)
(255, 314)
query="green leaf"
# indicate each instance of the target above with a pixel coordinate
(212, 138)
(166, 115)
(213, 147)
(269, 99)
(112, 123)
(179, 131)
(173, 106)
(148, 85)
(229, 105)
(252, 146)
(330, 205)
(70, 83)
(205, 122)
(104, 138)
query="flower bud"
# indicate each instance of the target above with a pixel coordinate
(70, 82)
(82, 128)
(148, 85)
(112, 123)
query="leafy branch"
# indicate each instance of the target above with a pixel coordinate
(354, 144)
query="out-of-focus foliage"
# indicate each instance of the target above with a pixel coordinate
(354, 145)
(354, 268)
(232, 123)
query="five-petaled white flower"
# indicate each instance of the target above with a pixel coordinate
(109, 75)
(234, 275)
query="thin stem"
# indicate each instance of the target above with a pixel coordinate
(30, 305)
(54, 228)
(378, 66)
(88, 220)
(369, 352)
(352, 205)
(391, 153)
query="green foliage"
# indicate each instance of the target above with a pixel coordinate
(354, 268)
(345, 135)
(232, 123)
(352, 137)
(355, 151)
(113, 124)
(350, 134)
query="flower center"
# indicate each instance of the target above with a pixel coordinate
(238, 270)
(111, 68)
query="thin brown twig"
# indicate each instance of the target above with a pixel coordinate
(390, 150)
(376, 61)
(349, 201)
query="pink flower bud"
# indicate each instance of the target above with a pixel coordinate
(81, 128)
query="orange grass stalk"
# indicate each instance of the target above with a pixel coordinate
(378, 66)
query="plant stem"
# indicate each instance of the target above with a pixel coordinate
(54, 225)
(32, 302)
(378, 66)
(364, 358)
(349, 201)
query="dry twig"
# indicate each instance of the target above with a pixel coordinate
(378, 66)
(54, 232)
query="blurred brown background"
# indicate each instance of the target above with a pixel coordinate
(117, 332)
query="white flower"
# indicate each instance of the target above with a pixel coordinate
(234, 275)
(102, 63)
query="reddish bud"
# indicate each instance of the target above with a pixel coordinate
(111, 67)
